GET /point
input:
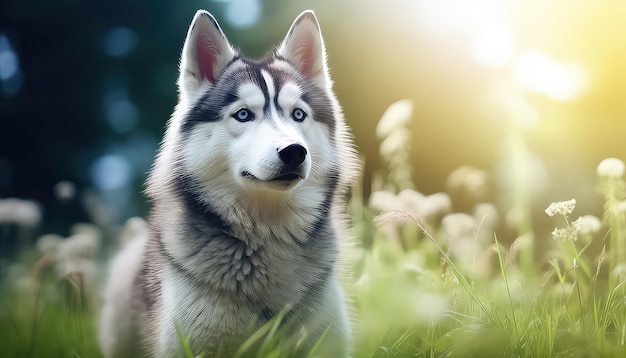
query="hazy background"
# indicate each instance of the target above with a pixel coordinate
(87, 86)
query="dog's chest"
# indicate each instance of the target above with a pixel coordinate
(222, 288)
(207, 321)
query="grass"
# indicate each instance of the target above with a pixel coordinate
(422, 282)
(43, 316)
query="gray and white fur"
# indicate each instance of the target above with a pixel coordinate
(247, 195)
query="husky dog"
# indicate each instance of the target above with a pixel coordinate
(247, 198)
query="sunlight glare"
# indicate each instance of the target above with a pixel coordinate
(540, 73)
(493, 45)
(446, 16)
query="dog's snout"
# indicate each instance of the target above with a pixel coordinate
(292, 155)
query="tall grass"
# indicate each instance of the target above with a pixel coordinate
(423, 281)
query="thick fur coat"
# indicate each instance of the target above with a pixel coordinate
(247, 203)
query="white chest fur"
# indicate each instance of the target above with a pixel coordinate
(207, 320)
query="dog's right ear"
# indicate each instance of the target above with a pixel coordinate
(205, 54)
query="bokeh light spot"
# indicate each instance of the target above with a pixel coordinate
(65, 190)
(10, 74)
(8, 64)
(111, 172)
(120, 113)
(243, 13)
(120, 41)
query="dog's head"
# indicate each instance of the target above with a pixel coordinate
(255, 125)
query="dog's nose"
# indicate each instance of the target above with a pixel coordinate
(292, 155)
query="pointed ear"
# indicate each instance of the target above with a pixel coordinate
(205, 54)
(304, 48)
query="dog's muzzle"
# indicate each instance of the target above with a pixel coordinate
(291, 169)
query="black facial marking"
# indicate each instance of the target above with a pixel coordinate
(321, 105)
(279, 109)
(198, 211)
(316, 97)
(209, 108)
(260, 81)
(223, 93)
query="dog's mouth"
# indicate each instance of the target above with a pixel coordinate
(283, 178)
(287, 177)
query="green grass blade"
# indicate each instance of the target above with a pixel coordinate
(318, 343)
(184, 342)
(508, 289)
(271, 335)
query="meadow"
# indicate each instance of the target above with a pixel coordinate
(423, 280)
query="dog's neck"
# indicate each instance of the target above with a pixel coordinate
(254, 217)
(262, 216)
(284, 243)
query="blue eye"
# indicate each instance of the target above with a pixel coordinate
(243, 115)
(298, 114)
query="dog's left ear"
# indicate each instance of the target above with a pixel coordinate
(304, 48)
(205, 54)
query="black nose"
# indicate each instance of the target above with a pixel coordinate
(292, 155)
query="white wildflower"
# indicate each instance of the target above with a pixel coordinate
(587, 224)
(408, 205)
(611, 168)
(49, 243)
(469, 180)
(397, 115)
(436, 204)
(420, 206)
(76, 254)
(561, 234)
(568, 233)
(459, 225)
(407, 196)
(411, 201)
(87, 229)
(561, 207)
(383, 200)
(486, 214)
(83, 243)
(396, 140)
(20, 212)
